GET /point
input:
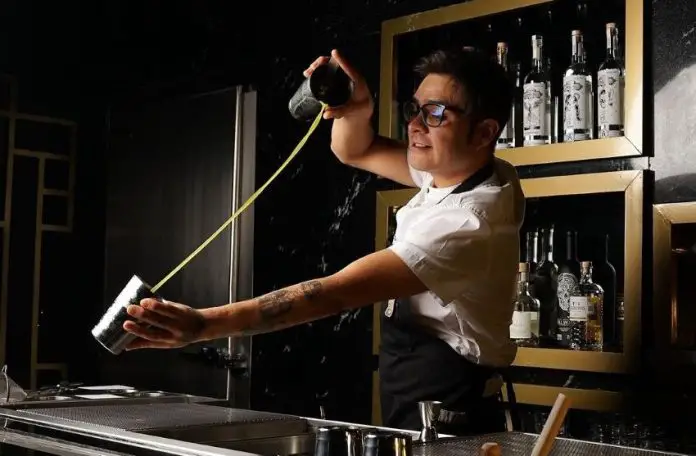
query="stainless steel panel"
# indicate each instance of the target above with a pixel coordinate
(519, 444)
(160, 418)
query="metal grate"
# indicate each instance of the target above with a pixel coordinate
(153, 417)
(518, 444)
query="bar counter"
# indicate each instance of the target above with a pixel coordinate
(193, 426)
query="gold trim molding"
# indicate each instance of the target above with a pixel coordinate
(627, 146)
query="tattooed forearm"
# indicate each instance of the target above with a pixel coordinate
(285, 307)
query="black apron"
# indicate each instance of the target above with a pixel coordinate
(415, 365)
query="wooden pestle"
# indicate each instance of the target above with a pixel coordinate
(490, 449)
(552, 426)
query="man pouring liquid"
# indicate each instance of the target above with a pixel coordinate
(448, 276)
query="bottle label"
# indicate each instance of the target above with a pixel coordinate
(578, 308)
(521, 327)
(610, 85)
(534, 97)
(577, 90)
(567, 287)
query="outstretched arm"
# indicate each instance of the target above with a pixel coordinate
(373, 278)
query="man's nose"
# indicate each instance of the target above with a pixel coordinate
(417, 124)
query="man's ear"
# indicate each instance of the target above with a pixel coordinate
(487, 132)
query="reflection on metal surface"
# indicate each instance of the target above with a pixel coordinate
(631, 185)
(629, 145)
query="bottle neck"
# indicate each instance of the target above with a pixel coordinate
(571, 253)
(537, 56)
(612, 43)
(547, 252)
(578, 50)
(586, 275)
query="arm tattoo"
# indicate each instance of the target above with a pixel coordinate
(276, 305)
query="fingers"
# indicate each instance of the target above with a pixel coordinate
(347, 67)
(148, 333)
(153, 318)
(334, 113)
(319, 61)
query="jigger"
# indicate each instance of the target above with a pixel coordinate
(429, 415)
(109, 331)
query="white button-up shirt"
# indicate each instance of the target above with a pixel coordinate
(465, 248)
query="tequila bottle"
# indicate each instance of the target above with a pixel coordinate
(610, 89)
(524, 329)
(577, 94)
(536, 98)
(587, 312)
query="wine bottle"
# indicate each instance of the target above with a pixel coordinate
(524, 329)
(610, 89)
(568, 279)
(537, 98)
(545, 288)
(577, 94)
(507, 133)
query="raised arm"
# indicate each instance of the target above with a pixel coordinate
(353, 139)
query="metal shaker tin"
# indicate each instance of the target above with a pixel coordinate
(382, 443)
(328, 83)
(109, 331)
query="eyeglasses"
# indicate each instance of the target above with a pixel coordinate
(432, 114)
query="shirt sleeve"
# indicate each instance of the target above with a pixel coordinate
(444, 248)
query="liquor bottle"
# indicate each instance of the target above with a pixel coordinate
(610, 88)
(532, 258)
(507, 133)
(587, 312)
(524, 329)
(577, 94)
(537, 98)
(568, 279)
(604, 274)
(620, 312)
(545, 288)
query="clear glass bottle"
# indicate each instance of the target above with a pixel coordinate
(610, 88)
(577, 94)
(587, 312)
(524, 330)
(507, 133)
(536, 98)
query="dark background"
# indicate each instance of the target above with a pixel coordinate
(78, 59)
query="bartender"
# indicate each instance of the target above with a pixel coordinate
(448, 277)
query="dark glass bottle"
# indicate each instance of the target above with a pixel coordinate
(604, 274)
(532, 258)
(568, 279)
(545, 287)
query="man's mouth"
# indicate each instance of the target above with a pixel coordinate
(419, 145)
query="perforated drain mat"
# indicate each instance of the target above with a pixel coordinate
(518, 444)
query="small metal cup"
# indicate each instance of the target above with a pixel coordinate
(338, 441)
(388, 444)
(109, 331)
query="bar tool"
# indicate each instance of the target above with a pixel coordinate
(429, 414)
(109, 331)
(490, 449)
(338, 441)
(327, 84)
(547, 438)
(387, 444)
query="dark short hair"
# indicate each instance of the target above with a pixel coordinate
(486, 86)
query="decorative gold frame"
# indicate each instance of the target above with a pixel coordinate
(631, 184)
(665, 306)
(13, 115)
(627, 146)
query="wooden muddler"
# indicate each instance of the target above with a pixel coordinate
(490, 449)
(552, 426)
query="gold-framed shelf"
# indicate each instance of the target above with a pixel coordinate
(630, 145)
(628, 183)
